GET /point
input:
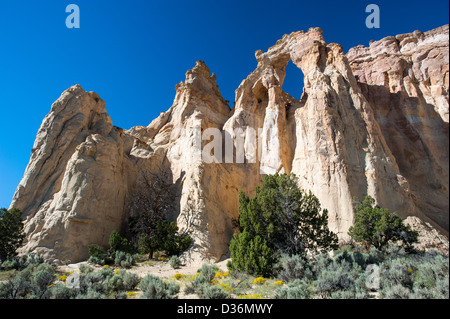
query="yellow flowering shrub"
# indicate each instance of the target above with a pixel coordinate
(220, 274)
(63, 276)
(259, 280)
(214, 282)
(226, 287)
(279, 282)
(179, 276)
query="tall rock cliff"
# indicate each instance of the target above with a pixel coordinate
(374, 121)
(406, 80)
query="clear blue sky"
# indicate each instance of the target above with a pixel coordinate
(132, 53)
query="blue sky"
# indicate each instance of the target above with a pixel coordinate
(132, 53)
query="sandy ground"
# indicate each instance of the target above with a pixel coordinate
(163, 269)
(154, 267)
(157, 268)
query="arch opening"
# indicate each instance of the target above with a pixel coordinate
(293, 81)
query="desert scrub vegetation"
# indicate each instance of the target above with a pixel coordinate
(175, 262)
(379, 262)
(282, 233)
(121, 252)
(344, 275)
(156, 288)
(124, 253)
(279, 219)
(34, 279)
(340, 274)
(210, 282)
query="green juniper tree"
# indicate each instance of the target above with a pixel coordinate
(376, 226)
(149, 222)
(11, 232)
(279, 219)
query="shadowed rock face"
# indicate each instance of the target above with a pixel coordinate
(374, 121)
(405, 79)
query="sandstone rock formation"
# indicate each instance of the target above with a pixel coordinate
(406, 80)
(428, 236)
(374, 121)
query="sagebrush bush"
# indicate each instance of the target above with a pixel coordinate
(19, 263)
(92, 281)
(114, 283)
(96, 261)
(332, 280)
(130, 281)
(294, 267)
(442, 287)
(155, 288)
(175, 262)
(342, 277)
(397, 272)
(83, 268)
(44, 266)
(416, 276)
(123, 259)
(213, 292)
(209, 271)
(10, 264)
(197, 285)
(17, 287)
(297, 289)
(204, 278)
(431, 271)
(60, 291)
(91, 294)
(396, 291)
(41, 281)
(98, 285)
(31, 282)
